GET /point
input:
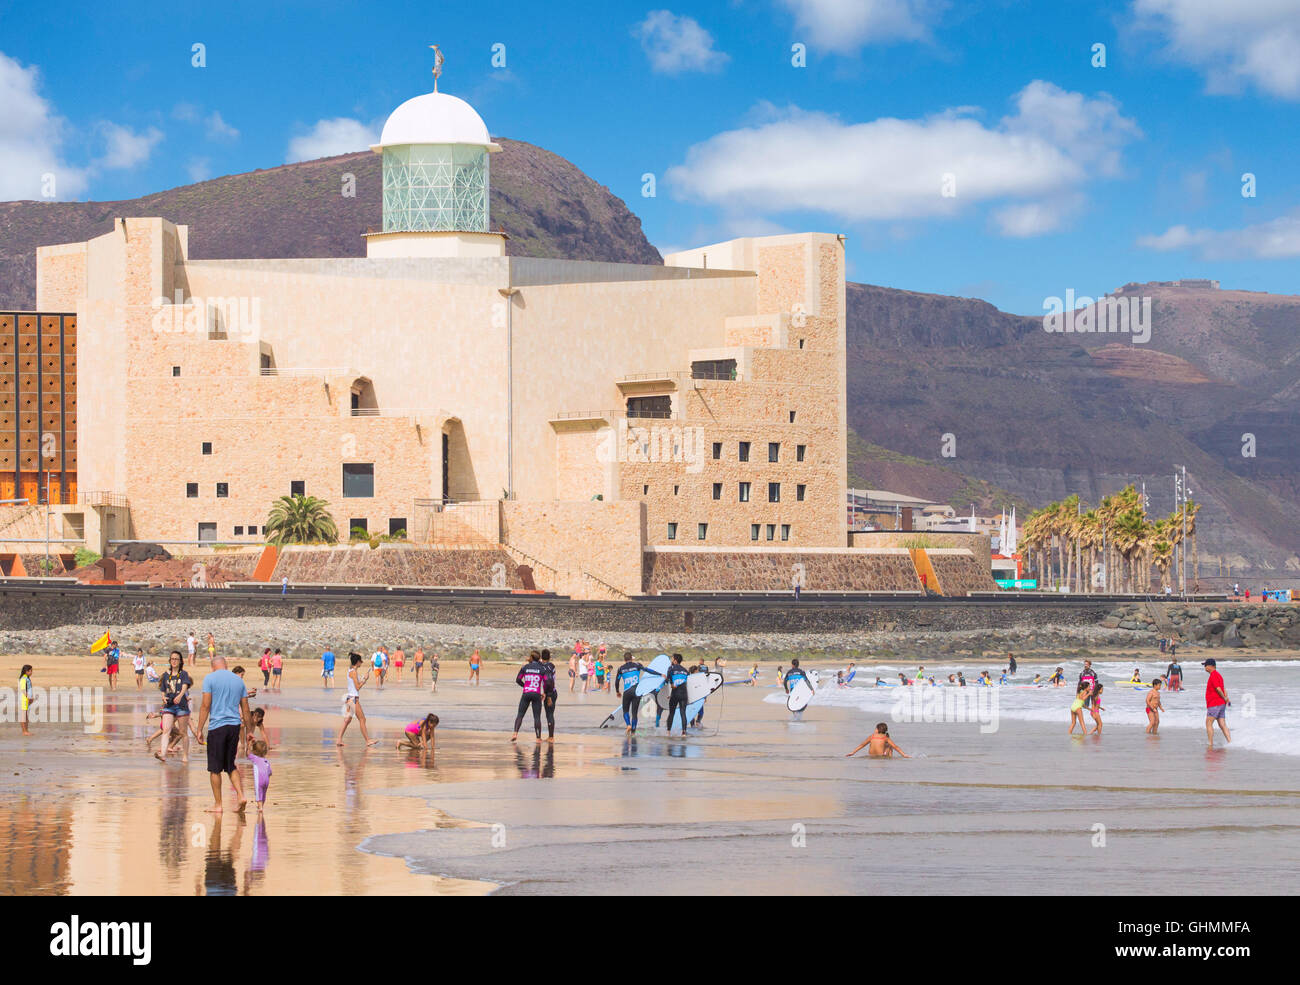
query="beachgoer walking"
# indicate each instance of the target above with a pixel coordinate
(677, 678)
(1076, 708)
(434, 663)
(399, 659)
(1216, 703)
(138, 664)
(261, 772)
(626, 679)
(111, 658)
(264, 665)
(1096, 708)
(352, 700)
(327, 660)
(224, 711)
(212, 646)
(549, 694)
(26, 695)
(474, 663)
(419, 664)
(175, 687)
(1154, 708)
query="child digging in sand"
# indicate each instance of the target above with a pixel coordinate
(419, 735)
(882, 746)
(1154, 707)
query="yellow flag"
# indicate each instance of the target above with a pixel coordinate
(100, 644)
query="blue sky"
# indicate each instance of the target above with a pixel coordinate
(1065, 175)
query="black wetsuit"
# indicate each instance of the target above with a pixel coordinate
(532, 678)
(677, 675)
(549, 694)
(626, 678)
(793, 676)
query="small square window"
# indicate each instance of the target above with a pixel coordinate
(753, 531)
(771, 531)
(207, 532)
(799, 491)
(191, 490)
(672, 531)
(744, 451)
(359, 523)
(702, 531)
(791, 417)
(774, 451)
(799, 452)
(176, 371)
(223, 490)
(717, 490)
(207, 447)
(298, 487)
(396, 525)
(252, 529)
(717, 450)
(774, 492)
(239, 531)
(785, 531)
(743, 494)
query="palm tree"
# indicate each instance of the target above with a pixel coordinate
(1130, 535)
(1036, 534)
(300, 520)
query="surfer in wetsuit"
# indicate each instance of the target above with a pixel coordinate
(532, 678)
(549, 694)
(626, 678)
(1088, 676)
(677, 675)
(1175, 676)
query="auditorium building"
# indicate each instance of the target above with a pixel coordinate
(618, 429)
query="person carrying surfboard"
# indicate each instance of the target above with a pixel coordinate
(626, 678)
(677, 676)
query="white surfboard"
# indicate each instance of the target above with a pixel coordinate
(698, 687)
(801, 692)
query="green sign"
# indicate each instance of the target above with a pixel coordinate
(1017, 583)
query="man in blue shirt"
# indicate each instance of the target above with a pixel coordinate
(224, 710)
(327, 668)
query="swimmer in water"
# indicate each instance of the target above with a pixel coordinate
(1076, 708)
(1137, 676)
(882, 746)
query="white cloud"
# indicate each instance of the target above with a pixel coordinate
(678, 44)
(126, 148)
(1035, 161)
(1277, 239)
(843, 26)
(31, 138)
(329, 138)
(219, 129)
(198, 168)
(1237, 43)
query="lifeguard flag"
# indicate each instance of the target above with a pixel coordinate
(101, 643)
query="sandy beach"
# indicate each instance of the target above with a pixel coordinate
(755, 802)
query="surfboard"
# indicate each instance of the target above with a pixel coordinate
(800, 694)
(616, 716)
(652, 678)
(698, 688)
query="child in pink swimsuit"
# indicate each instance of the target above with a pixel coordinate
(261, 772)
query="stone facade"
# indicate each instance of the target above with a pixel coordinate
(761, 570)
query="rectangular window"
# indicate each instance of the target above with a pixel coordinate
(771, 531)
(191, 490)
(743, 495)
(799, 452)
(176, 371)
(298, 487)
(223, 490)
(207, 532)
(645, 490)
(801, 343)
(358, 480)
(252, 529)
(239, 531)
(717, 450)
(717, 490)
(753, 531)
(774, 451)
(703, 531)
(675, 488)
(799, 491)
(207, 447)
(744, 451)
(672, 531)
(358, 523)
(774, 492)
(785, 531)
(396, 525)
(791, 417)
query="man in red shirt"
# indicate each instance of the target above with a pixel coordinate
(1216, 702)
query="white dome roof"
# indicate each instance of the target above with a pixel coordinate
(435, 118)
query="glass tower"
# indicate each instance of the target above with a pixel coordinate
(435, 188)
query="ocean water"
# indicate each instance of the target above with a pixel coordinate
(1264, 715)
